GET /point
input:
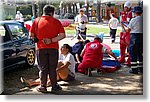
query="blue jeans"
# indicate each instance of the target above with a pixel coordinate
(136, 47)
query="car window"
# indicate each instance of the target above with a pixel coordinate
(2, 30)
(18, 31)
(4, 35)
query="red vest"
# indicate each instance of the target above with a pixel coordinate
(125, 15)
(93, 54)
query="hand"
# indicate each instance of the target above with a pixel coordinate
(47, 41)
(116, 59)
(82, 22)
(78, 62)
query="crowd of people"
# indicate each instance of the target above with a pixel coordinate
(47, 31)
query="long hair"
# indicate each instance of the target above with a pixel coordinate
(68, 47)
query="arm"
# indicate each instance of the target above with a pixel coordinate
(65, 65)
(55, 39)
(111, 53)
(59, 37)
(127, 29)
(77, 58)
(109, 24)
(83, 51)
(31, 35)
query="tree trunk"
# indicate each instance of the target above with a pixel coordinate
(98, 11)
(33, 9)
(87, 10)
(69, 8)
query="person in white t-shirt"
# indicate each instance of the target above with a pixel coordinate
(81, 20)
(66, 64)
(65, 69)
(113, 24)
(19, 17)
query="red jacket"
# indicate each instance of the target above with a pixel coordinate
(93, 54)
(125, 15)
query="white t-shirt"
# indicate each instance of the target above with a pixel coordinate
(80, 18)
(136, 25)
(113, 23)
(68, 58)
(19, 17)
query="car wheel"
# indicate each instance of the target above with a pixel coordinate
(30, 58)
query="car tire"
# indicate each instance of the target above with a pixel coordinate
(30, 58)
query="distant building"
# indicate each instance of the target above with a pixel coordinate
(7, 9)
(114, 6)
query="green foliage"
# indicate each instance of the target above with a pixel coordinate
(9, 17)
(93, 30)
(25, 10)
(27, 17)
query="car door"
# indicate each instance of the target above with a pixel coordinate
(20, 38)
(8, 49)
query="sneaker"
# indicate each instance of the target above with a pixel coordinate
(41, 89)
(25, 82)
(133, 72)
(57, 87)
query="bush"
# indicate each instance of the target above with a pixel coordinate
(9, 17)
(27, 17)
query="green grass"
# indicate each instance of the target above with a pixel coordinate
(93, 30)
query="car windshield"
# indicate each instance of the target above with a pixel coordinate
(17, 30)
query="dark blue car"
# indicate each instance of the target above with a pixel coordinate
(16, 47)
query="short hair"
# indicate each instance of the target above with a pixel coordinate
(48, 9)
(113, 14)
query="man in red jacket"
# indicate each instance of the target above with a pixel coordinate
(93, 54)
(48, 31)
(126, 16)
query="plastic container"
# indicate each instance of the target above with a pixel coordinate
(116, 52)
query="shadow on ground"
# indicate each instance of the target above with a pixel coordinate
(118, 83)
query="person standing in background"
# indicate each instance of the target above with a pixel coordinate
(19, 17)
(126, 16)
(113, 24)
(81, 20)
(47, 31)
(135, 28)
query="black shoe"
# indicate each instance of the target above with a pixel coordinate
(56, 87)
(133, 72)
(41, 89)
(141, 69)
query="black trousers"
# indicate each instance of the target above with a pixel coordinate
(136, 47)
(47, 64)
(83, 34)
(113, 34)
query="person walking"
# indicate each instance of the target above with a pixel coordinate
(135, 28)
(81, 20)
(46, 32)
(126, 16)
(113, 24)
